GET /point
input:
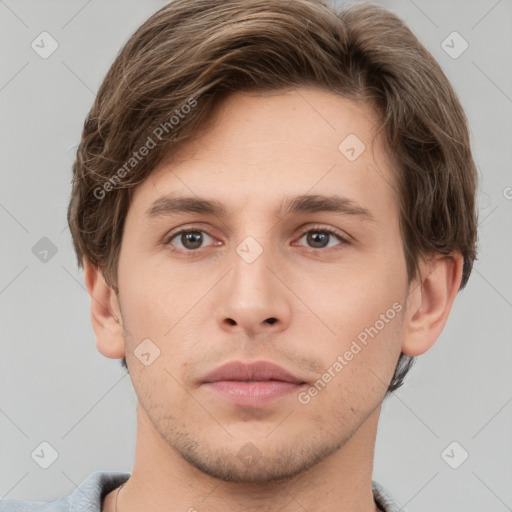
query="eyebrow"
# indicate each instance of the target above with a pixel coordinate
(307, 203)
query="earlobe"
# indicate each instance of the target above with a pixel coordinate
(430, 301)
(105, 313)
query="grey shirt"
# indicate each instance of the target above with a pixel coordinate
(88, 497)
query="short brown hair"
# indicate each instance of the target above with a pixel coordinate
(191, 53)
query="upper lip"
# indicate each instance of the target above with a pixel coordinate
(257, 371)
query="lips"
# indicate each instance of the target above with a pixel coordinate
(251, 385)
(257, 371)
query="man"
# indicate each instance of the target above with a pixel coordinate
(274, 207)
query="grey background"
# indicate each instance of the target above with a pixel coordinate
(56, 387)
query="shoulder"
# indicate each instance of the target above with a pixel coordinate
(384, 500)
(87, 497)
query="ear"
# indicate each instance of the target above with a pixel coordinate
(105, 313)
(429, 302)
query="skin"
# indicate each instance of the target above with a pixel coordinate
(208, 307)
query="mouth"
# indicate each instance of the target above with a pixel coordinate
(252, 384)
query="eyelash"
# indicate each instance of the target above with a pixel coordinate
(316, 229)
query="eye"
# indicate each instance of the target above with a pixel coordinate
(190, 239)
(319, 238)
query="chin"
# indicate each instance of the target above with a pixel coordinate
(252, 465)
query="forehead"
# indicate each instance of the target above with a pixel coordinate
(261, 147)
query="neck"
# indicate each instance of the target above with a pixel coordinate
(162, 481)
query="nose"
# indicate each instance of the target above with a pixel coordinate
(254, 299)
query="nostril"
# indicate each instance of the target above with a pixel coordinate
(271, 320)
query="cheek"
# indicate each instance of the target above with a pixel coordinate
(355, 297)
(364, 313)
(153, 299)
(357, 370)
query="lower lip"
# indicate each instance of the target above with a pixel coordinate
(252, 394)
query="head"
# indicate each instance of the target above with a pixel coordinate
(248, 105)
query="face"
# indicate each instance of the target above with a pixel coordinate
(315, 286)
